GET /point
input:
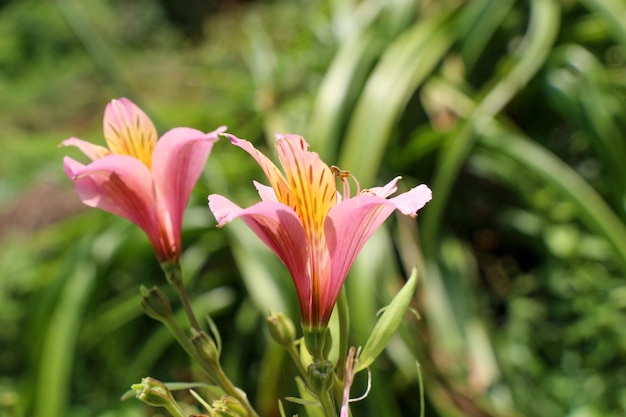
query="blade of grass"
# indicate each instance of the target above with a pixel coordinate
(593, 209)
(596, 213)
(348, 73)
(542, 30)
(613, 12)
(57, 358)
(477, 25)
(403, 67)
(95, 45)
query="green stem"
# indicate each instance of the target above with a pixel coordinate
(328, 405)
(174, 275)
(183, 341)
(175, 410)
(295, 357)
(212, 369)
(184, 298)
(344, 328)
(231, 389)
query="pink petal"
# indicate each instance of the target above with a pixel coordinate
(310, 180)
(178, 160)
(410, 202)
(273, 174)
(348, 227)
(266, 193)
(128, 130)
(352, 222)
(386, 190)
(92, 151)
(279, 228)
(120, 185)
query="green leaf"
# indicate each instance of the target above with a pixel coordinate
(387, 324)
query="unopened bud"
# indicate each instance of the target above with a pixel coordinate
(155, 303)
(205, 347)
(229, 407)
(281, 329)
(153, 392)
(320, 376)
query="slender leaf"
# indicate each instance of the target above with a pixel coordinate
(387, 324)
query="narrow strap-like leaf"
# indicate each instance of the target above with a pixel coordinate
(387, 324)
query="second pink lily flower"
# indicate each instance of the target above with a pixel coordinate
(139, 178)
(315, 231)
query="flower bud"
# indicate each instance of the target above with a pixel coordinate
(317, 341)
(153, 392)
(155, 303)
(205, 347)
(320, 376)
(229, 407)
(281, 329)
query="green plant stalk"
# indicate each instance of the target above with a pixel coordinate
(174, 275)
(295, 357)
(328, 405)
(344, 328)
(175, 410)
(230, 388)
(212, 369)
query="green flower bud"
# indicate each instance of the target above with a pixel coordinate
(155, 303)
(229, 407)
(281, 329)
(320, 376)
(153, 392)
(318, 341)
(205, 346)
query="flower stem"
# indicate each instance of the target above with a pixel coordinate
(184, 298)
(328, 405)
(344, 325)
(233, 391)
(295, 357)
(174, 275)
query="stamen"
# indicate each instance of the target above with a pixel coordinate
(340, 172)
(356, 182)
(343, 176)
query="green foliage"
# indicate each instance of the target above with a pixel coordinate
(512, 111)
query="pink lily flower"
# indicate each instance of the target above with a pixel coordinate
(139, 178)
(315, 231)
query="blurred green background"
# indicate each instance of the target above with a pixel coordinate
(512, 111)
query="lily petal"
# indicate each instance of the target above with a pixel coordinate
(348, 227)
(279, 228)
(120, 185)
(266, 193)
(386, 190)
(178, 160)
(310, 181)
(271, 171)
(353, 221)
(129, 131)
(410, 202)
(92, 151)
